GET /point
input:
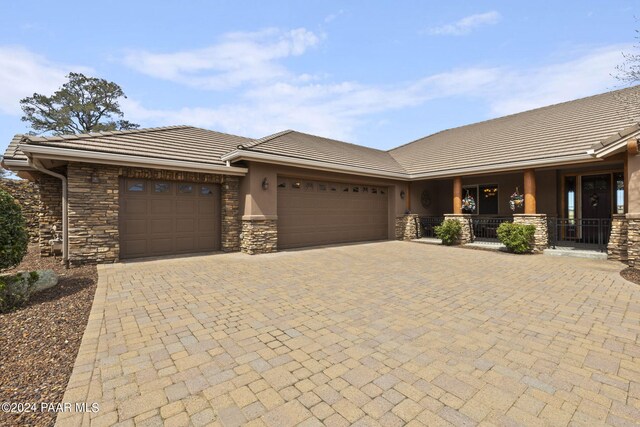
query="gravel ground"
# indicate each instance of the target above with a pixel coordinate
(631, 274)
(39, 342)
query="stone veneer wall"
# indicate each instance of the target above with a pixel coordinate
(541, 236)
(93, 213)
(50, 214)
(408, 227)
(633, 239)
(617, 247)
(230, 214)
(466, 236)
(259, 236)
(28, 195)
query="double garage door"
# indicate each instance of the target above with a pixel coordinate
(164, 217)
(312, 213)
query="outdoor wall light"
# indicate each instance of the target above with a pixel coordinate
(265, 184)
(402, 194)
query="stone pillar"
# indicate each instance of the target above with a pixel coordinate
(94, 207)
(633, 239)
(259, 236)
(457, 195)
(529, 192)
(617, 247)
(408, 227)
(230, 214)
(541, 236)
(50, 190)
(27, 194)
(466, 236)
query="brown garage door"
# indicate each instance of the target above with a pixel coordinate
(312, 213)
(164, 217)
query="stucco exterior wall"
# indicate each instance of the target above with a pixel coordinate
(634, 184)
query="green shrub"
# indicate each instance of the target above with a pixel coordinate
(449, 231)
(16, 290)
(13, 232)
(518, 238)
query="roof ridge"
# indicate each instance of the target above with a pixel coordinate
(67, 137)
(610, 93)
(259, 141)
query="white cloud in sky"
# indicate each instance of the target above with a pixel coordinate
(23, 72)
(239, 58)
(466, 25)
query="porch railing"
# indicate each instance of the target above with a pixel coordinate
(485, 228)
(587, 233)
(428, 224)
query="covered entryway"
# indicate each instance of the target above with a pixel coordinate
(164, 217)
(312, 213)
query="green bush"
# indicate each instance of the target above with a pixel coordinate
(16, 290)
(518, 238)
(13, 232)
(449, 231)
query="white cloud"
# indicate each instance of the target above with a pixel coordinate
(466, 25)
(340, 109)
(239, 58)
(23, 72)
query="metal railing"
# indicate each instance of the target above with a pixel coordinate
(587, 233)
(428, 224)
(485, 228)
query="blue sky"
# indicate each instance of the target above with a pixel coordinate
(374, 73)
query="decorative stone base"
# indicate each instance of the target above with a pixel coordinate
(541, 236)
(466, 236)
(408, 227)
(259, 236)
(617, 247)
(633, 239)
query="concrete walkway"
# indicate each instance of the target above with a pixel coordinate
(387, 333)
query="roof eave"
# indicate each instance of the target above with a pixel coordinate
(57, 153)
(237, 155)
(617, 146)
(15, 165)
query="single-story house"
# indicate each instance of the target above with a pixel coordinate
(180, 189)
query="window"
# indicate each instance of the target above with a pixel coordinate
(309, 186)
(282, 184)
(135, 186)
(345, 188)
(355, 189)
(619, 179)
(488, 199)
(374, 190)
(383, 191)
(205, 190)
(365, 189)
(570, 196)
(296, 185)
(333, 188)
(161, 187)
(322, 187)
(185, 188)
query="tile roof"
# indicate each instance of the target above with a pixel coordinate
(298, 145)
(552, 132)
(183, 143)
(13, 151)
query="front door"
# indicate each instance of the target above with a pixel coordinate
(596, 204)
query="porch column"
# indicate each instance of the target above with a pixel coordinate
(457, 195)
(632, 196)
(529, 192)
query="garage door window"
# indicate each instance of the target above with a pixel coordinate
(308, 186)
(282, 184)
(206, 190)
(185, 188)
(135, 186)
(296, 185)
(162, 187)
(322, 187)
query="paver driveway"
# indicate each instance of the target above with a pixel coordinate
(375, 334)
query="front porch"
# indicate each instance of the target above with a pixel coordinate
(574, 207)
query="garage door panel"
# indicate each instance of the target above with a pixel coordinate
(315, 217)
(169, 221)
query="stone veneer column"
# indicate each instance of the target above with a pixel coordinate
(541, 236)
(27, 194)
(408, 227)
(93, 213)
(230, 214)
(633, 239)
(466, 236)
(617, 247)
(259, 235)
(50, 190)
